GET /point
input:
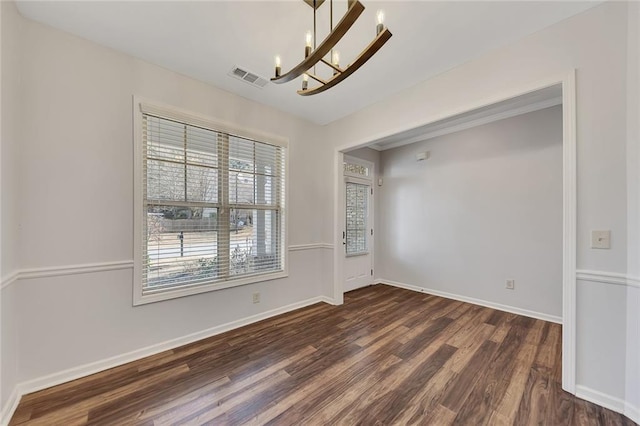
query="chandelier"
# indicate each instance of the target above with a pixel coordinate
(316, 53)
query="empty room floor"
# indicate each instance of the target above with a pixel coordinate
(387, 356)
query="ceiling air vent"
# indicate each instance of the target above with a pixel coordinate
(248, 77)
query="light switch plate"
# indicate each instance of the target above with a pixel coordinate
(601, 239)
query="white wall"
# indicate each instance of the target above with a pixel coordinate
(601, 339)
(594, 43)
(367, 154)
(484, 208)
(633, 138)
(11, 103)
(9, 167)
(633, 192)
(632, 395)
(76, 205)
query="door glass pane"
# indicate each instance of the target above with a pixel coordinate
(357, 202)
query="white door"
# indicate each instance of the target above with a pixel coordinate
(358, 233)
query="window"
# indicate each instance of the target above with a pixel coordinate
(357, 203)
(211, 207)
(358, 170)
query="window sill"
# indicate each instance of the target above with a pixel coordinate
(161, 295)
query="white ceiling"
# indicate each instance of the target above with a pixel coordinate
(205, 39)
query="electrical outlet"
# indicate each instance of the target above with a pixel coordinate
(511, 284)
(256, 297)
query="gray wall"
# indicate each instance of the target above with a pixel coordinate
(484, 208)
(11, 105)
(633, 199)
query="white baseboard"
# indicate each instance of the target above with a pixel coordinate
(97, 366)
(493, 305)
(328, 300)
(10, 406)
(607, 401)
(602, 399)
(632, 412)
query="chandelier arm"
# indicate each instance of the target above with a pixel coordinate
(316, 78)
(347, 21)
(335, 67)
(330, 25)
(364, 56)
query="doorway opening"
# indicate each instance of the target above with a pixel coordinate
(553, 91)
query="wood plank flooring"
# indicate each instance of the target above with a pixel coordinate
(386, 357)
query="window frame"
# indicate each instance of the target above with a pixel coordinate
(143, 106)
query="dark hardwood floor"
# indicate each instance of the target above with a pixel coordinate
(387, 356)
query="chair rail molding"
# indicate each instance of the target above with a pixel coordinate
(604, 277)
(314, 246)
(9, 279)
(57, 271)
(88, 268)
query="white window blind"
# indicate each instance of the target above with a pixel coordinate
(213, 206)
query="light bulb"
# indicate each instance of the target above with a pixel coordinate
(305, 77)
(335, 60)
(307, 47)
(278, 69)
(380, 26)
